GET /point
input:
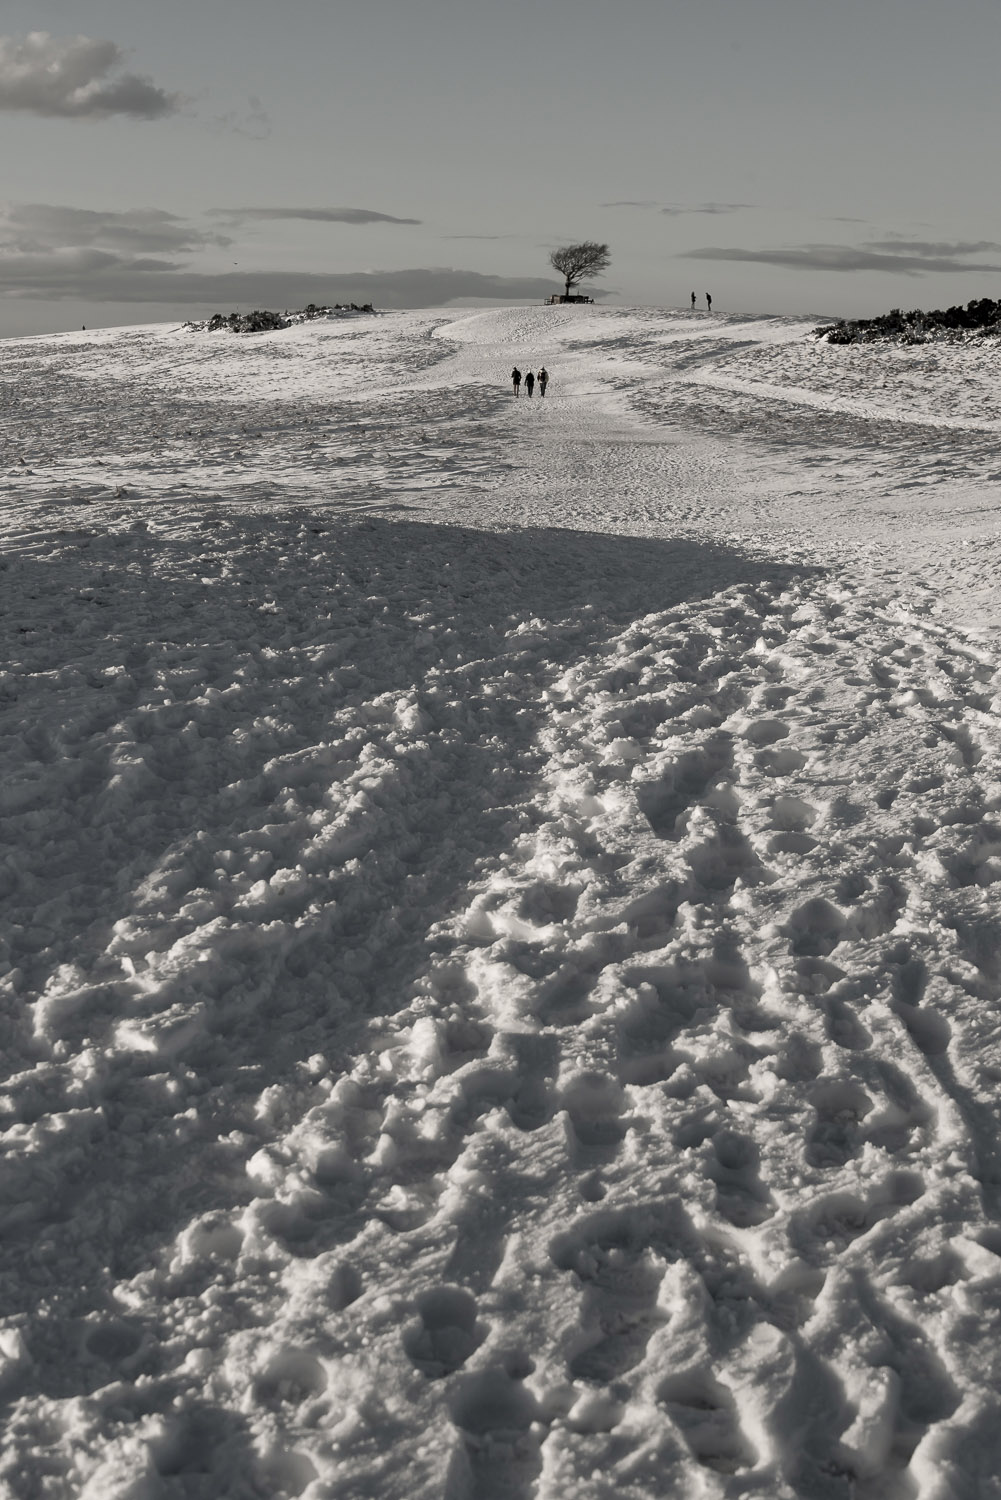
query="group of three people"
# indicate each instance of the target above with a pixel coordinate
(530, 379)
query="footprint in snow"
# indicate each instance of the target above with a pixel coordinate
(497, 1457)
(446, 1334)
(840, 1107)
(705, 1413)
(741, 1197)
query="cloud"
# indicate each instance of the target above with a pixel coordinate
(254, 122)
(67, 77)
(102, 276)
(935, 248)
(67, 272)
(31, 227)
(840, 258)
(673, 210)
(139, 255)
(321, 215)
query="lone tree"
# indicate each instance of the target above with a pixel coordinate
(574, 262)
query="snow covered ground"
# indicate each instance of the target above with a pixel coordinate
(501, 946)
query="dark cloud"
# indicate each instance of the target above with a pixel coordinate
(68, 77)
(839, 258)
(673, 210)
(48, 251)
(29, 227)
(320, 215)
(101, 276)
(59, 273)
(935, 248)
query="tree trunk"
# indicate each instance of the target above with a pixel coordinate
(569, 285)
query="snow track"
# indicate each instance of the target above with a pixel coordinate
(498, 1011)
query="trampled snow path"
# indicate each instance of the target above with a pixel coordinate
(501, 933)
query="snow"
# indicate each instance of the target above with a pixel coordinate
(500, 949)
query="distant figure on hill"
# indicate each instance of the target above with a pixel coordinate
(693, 302)
(530, 382)
(516, 380)
(543, 380)
(709, 302)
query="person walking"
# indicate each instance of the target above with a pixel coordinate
(516, 380)
(543, 378)
(530, 382)
(709, 302)
(693, 302)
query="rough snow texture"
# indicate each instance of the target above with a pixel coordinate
(501, 948)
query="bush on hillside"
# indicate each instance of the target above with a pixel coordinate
(262, 322)
(979, 318)
(252, 322)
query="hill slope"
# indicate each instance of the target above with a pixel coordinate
(502, 950)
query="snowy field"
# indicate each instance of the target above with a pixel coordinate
(501, 946)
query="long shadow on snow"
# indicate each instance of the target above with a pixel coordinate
(306, 979)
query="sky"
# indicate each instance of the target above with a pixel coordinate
(789, 156)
